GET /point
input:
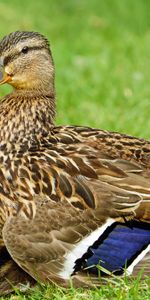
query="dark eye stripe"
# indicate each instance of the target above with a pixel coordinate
(12, 57)
(36, 48)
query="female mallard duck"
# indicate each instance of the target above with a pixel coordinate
(71, 198)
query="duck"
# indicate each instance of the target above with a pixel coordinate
(74, 200)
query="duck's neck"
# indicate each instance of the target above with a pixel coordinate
(26, 113)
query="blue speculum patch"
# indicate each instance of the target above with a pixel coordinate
(116, 248)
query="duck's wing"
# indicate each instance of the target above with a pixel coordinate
(62, 240)
(90, 202)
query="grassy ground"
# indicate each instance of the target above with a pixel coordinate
(123, 290)
(102, 55)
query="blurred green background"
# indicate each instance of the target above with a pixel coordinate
(101, 51)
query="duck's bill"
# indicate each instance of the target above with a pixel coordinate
(4, 78)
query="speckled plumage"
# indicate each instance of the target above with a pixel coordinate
(58, 184)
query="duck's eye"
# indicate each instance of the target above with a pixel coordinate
(25, 50)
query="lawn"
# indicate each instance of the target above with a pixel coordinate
(101, 51)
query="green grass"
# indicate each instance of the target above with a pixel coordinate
(102, 56)
(121, 290)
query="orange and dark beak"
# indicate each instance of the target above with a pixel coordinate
(4, 77)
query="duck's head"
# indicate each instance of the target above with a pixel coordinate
(26, 61)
